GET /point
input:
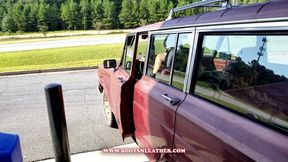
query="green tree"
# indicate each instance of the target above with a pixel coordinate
(16, 14)
(43, 13)
(33, 16)
(43, 29)
(144, 14)
(153, 10)
(127, 15)
(8, 24)
(85, 12)
(25, 15)
(116, 12)
(97, 12)
(108, 7)
(3, 11)
(164, 8)
(97, 25)
(69, 14)
(54, 21)
(189, 11)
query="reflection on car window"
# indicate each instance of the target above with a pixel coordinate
(140, 55)
(142, 47)
(128, 55)
(181, 58)
(161, 56)
(164, 63)
(247, 74)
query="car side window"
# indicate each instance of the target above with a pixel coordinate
(160, 56)
(180, 61)
(142, 47)
(141, 54)
(246, 73)
(164, 63)
(128, 53)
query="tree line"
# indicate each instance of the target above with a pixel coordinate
(39, 15)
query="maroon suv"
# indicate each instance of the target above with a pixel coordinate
(214, 84)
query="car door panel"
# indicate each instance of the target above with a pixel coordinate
(104, 80)
(115, 88)
(154, 115)
(210, 133)
(118, 86)
(121, 93)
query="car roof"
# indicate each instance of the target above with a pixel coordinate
(272, 10)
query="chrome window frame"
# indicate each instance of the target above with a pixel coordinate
(229, 29)
(190, 30)
(253, 28)
(225, 27)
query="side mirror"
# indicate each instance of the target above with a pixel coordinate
(110, 63)
(128, 65)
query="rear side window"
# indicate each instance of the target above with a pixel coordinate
(246, 73)
(168, 56)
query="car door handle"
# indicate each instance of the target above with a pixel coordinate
(172, 101)
(121, 80)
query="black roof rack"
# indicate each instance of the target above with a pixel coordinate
(203, 3)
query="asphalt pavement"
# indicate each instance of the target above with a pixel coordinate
(23, 111)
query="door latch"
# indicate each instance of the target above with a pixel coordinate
(172, 101)
(121, 80)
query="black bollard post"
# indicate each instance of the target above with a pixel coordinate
(57, 120)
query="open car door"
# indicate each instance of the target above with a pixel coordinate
(121, 89)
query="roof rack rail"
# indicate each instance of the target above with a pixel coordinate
(203, 3)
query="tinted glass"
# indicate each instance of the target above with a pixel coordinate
(142, 47)
(128, 55)
(181, 58)
(247, 74)
(161, 56)
(140, 55)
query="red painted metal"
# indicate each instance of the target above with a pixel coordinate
(206, 131)
(118, 88)
(154, 116)
(211, 133)
(146, 28)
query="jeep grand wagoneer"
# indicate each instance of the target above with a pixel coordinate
(215, 84)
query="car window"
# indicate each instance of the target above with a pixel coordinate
(128, 54)
(246, 73)
(140, 55)
(161, 54)
(142, 47)
(181, 58)
(164, 63)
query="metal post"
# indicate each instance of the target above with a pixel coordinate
(55, 106)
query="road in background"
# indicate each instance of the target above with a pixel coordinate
(61, 43)
(23, 111)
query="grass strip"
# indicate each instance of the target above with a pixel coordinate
(58, 57)
(55, 38)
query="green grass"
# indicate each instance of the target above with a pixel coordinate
(221, 102)
(178, 85)
(142, 47)
(159, 48)
(204, 84)
(20, 37)
(41, 39)
(58, 57)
